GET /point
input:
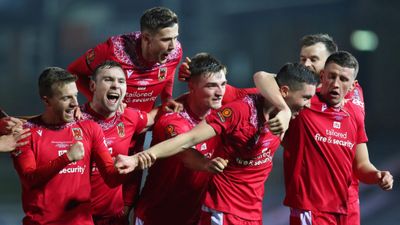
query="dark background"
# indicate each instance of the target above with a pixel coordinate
(246, 35)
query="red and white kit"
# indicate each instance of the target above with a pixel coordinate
(249, 146)
(318, 157)
(55, 190)
(144, 81)
(118, 131)
(173, 194)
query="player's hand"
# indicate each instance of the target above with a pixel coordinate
(8, 125)
(172, 106)
(76, 152)
(145, 159)
(12, 141)
(184, 72)
(280, 123)
(217, 165)
(78, 113)
(385, 180)
(126, 164)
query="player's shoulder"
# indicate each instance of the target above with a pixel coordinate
(248, 102)
(88, 124)
(355, 109)
(171, 118)
(133, 114)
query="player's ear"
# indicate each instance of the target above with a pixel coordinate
(146, 36)
(284, 89)
(45, 100)
(92, 85)
(321, 75)
(353, 85)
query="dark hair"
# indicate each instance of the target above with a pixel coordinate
(343, 59)
(157, 18)
(204, 63)
(53, 76)
(108, 64)
(294, 75)
(325, 39)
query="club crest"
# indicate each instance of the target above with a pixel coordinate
(77, 133)
(121, 129)
(162, 73)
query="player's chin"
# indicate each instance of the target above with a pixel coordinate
(216, 104)
(163, 58)
(68, 118)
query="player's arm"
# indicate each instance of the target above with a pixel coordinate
(367, 173)
(269, 89)
(167, 148)
(84, 66)
(35, 175)
(184, 141)
(104, 161)
(194, 160)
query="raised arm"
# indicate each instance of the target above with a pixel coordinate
(84, 66)
(269, 89)
(200, 133)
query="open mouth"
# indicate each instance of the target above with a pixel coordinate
(70, 112)
(334, 94)
(113, 97)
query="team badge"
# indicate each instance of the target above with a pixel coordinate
(162, 73)
(336, 124)
(121, 129)
(170, 130)
(224, 114)
(77, 133)
(90, 56)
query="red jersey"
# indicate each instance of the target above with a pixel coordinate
(249, 146)
(233, 93)
(55, 190)
(319, 152)
(356, 97)
(144, 82)
(118, 131)
(173, 194)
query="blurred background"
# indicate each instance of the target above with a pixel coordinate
(247, 36)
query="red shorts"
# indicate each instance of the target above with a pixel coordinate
(353, 213)
(214, 217)
(305, 217)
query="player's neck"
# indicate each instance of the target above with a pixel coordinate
(199, 110)
(49, 118)
(146, 55)
(100, 111)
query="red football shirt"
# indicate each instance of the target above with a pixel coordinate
(118, 131)
(144, 82)
(54, 190)
(233, 93)
(249, 146)
(356, 97)
(173, 194)
(319, 152)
